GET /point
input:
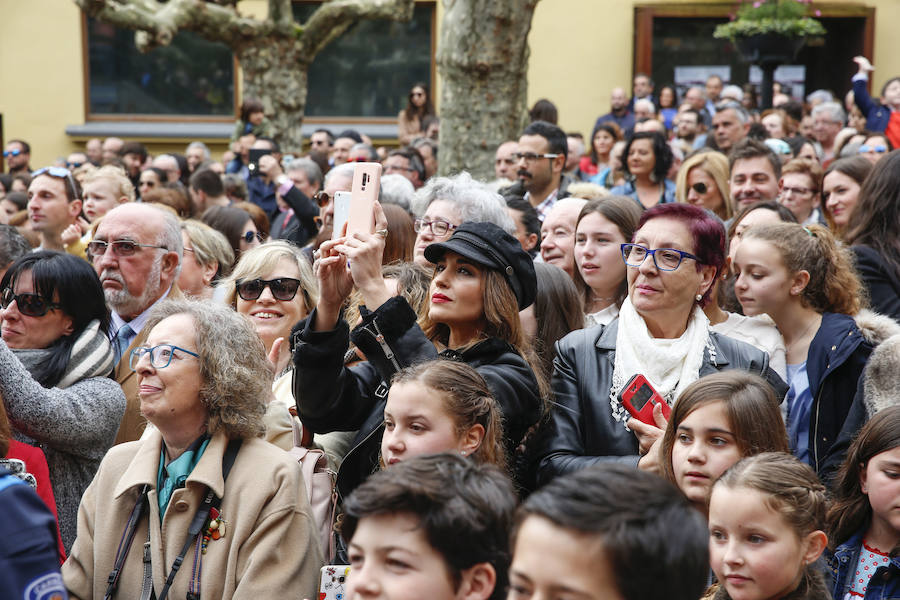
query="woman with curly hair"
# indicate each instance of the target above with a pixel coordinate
(201, 486)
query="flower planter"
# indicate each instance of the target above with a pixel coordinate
(769, 48)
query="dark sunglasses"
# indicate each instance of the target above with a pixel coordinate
(30, 305)
(322, 199)
(283, 288)
(700, 187)
(251, 235)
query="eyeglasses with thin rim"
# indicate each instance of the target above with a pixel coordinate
(531, 156)
(665, 259)
(121, 248)
(30, 305)
(797, 191)
(160, 356)
(59, 173)
(438, 227)
(282, 288)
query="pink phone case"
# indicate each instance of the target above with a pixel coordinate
(366, 184)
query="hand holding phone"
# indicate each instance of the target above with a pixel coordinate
(364, 193)
(638, 397)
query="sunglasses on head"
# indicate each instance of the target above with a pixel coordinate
(30, 305)
(283, 288)
(59, 173)
(877, 149)
(700, 187)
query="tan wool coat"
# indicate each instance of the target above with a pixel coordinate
(269, 550)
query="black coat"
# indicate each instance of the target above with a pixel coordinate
(332, 397)
(582, 429)
(880, 281)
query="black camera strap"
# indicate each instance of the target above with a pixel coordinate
(209, 502)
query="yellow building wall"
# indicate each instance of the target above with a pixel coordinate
(580, 50)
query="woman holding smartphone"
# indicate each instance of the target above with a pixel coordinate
(482, 278)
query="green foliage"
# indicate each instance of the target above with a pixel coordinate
(784, 17)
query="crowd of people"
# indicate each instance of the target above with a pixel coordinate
(660, 364)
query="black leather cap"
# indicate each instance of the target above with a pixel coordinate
(488, 245)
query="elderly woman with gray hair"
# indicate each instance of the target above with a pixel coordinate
(201, 487)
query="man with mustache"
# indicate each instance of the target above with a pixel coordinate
(137, 252)
(541, 160)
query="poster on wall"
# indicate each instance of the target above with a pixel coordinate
(694, 75)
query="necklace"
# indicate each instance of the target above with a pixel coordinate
(803, 335)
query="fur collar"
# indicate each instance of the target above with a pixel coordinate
(876, 328)
(880, 388)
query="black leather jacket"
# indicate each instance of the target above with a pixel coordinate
(332, 397)
(582, 430)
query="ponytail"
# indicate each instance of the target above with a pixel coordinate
(834, 285)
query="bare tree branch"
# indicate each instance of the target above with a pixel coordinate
(332, 19)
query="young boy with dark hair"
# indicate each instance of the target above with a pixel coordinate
(609, 532)
(433, 527)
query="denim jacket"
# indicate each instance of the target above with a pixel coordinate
(884, 583)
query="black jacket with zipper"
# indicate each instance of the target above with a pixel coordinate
(332, 397)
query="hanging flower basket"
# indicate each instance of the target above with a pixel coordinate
(769, 48)
(783, 18)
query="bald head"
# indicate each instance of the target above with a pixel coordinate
(558, 233)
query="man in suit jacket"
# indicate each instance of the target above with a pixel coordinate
(136, 251)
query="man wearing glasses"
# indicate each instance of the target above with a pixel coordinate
(54, 203)
(137, 252)
(17, 154)
(541, 159)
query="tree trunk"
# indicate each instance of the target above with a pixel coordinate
(483, 60)
(275, 72)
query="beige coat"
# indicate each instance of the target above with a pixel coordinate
(269, 550)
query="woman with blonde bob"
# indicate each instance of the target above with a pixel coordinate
(203, 377)
(702, 181)
(208, 257)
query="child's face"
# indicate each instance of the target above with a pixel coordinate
(764, 284)
(754, 551)
(416, 423)
(551, 561)
(892, 95)
(880, 481)
(256, 117)
(390, 559)
(704, 448)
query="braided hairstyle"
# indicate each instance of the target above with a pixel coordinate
(834, 285)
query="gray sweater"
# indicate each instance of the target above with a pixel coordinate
(74, 426)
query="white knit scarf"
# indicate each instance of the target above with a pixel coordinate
(670, 365)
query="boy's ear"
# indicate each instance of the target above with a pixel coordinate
(815, 545)
(477, 582)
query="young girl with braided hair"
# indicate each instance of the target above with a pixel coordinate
(806, 283)
(766, 521)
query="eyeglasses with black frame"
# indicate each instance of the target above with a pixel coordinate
(282, 288)
(665, 259)
(160, 356)
(121, 248)
(438, 227)
(531, 156)
(30, 305)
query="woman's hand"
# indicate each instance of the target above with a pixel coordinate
(365, 252)
(278, 361)
(648, 435)
(335, 284)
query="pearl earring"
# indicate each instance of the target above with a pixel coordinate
(698, 297)
(463, 452)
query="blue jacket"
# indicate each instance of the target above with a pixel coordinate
(836, 359)
(877, 114)
(29, 563)
(628, 189)
(884, 583)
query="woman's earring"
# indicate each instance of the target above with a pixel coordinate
(463, 452)
(698, 297)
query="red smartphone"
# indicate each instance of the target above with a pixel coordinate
(638, 397)
(364, 193)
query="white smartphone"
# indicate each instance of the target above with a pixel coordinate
(341, 213)
(331, 585)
